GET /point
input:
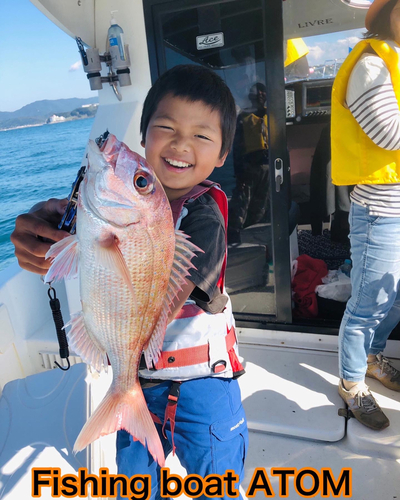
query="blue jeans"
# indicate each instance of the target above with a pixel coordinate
(373, 309)
(210, 434)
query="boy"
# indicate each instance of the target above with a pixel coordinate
(187, 127)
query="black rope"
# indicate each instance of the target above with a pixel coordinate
(59, 323)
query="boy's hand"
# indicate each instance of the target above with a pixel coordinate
(35, 232)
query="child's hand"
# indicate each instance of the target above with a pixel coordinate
(35, 232)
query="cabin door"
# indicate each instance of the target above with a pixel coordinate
(242, 41)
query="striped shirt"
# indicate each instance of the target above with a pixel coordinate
(372, 101)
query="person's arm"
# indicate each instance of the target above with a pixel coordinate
(206, 228)
(372, 101)
(35, 232)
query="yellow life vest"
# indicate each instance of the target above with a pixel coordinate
(255, 132)
(295, 49)
(355, 157)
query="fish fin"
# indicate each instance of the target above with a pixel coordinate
(109, 255)
(184, 252)
(65, 259)
(123, 411)
(84, 344)
(153, 348)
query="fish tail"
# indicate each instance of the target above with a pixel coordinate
(123, 411)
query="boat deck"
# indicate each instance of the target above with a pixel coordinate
(289, 393)
(293, 420)
(291, 401)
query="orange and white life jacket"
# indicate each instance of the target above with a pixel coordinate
(198, 343)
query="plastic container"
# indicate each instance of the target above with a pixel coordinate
(346, 267)
(116, 40)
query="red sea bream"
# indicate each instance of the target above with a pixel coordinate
(131, 264)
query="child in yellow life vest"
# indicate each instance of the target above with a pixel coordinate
(366, 152)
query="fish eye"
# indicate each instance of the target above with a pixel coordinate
(143, 183)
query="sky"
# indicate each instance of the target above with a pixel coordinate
(37, 59)
(332, 46)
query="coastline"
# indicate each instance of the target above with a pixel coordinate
(22, 126)
(44, 123)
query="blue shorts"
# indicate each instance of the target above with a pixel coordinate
(210, 434)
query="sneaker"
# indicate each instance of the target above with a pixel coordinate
(382, 370)
(364, 406)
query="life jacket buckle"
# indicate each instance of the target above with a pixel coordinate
(219, 366)
(174, 392)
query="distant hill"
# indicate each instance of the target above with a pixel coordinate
(38, 112)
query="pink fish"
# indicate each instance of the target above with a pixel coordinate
(131, 264)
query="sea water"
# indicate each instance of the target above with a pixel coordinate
(36, 163)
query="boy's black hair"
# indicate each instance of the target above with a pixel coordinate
(380, 26)
(194, 83)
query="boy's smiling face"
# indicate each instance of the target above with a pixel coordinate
(183, 144)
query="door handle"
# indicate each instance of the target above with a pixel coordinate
(278, 164)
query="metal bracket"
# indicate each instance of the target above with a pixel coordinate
(278, 174)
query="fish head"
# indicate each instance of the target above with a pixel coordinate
(121, 188)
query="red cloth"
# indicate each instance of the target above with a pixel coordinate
(308, 276)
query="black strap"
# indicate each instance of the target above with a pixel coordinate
(59, 323)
